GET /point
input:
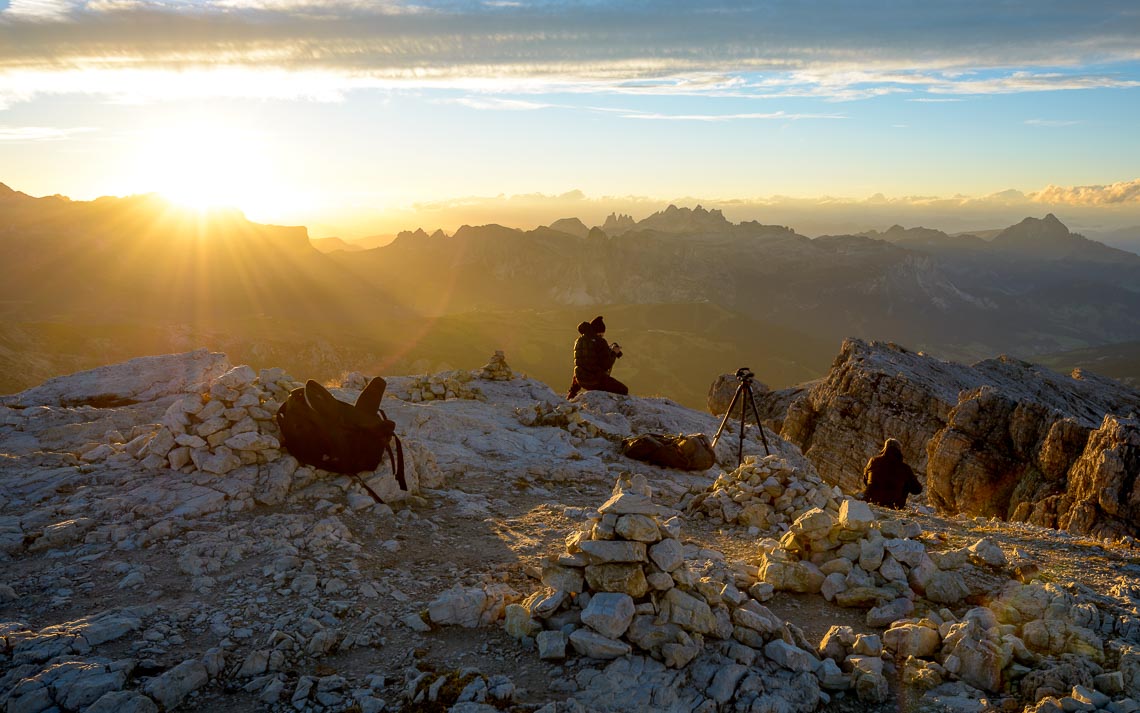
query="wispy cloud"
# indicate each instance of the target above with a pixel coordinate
(1020, 82)
(832, 49)
(28, 134)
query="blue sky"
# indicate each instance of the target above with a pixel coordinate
(356, 116)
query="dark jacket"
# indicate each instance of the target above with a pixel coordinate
(593, 358)
(888, 478)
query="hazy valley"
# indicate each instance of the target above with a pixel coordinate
(688, 294)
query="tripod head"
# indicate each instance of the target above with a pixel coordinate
(744, 375)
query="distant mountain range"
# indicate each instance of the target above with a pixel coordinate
(1033, 288)
(689, 293)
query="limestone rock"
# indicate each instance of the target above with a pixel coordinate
(142, 379)
(609, 614)
(594, 645)
(667, 554)
(688, 612)
(551, 645)
(172, 687)
(890, 612)
(625, 577)
(608, 551)
(912, 640)
(789, 656)
(967, 415)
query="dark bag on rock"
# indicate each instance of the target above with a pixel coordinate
(323, 432)
(691, 452)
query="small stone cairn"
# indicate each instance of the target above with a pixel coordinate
(623, 585)
(497, 369)
(230, 425)
(764, 493)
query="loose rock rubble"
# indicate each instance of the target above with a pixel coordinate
(272, 586)
(766, 494)
(227, 426)
(563, 415)
(457, 384)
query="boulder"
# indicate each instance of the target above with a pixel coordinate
(592, 644)
(625, 578)
(609, 614)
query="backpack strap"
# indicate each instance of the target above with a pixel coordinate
(358, 479)
(398, 462)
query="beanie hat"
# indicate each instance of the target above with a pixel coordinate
(598, 325)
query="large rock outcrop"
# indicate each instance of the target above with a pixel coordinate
(1001, 438)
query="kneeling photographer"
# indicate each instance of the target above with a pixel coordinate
(594, 357)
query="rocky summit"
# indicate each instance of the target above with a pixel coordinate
(161, 551)
(1002, 437)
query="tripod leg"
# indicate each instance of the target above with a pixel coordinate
(759, 424)
(743, 414)
(724, 421)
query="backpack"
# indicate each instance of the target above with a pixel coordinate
(323, 432)
(691, 452)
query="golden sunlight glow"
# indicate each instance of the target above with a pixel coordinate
(202, 165)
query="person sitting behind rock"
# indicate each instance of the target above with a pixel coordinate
(888, 478)
(593, 359)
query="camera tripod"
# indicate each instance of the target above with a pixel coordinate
(744, 395)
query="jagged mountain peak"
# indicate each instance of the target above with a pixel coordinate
(686, 220)
(1038, 229)
(618, 223)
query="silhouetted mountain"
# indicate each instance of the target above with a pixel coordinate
(142, 258)
(1049, 239)
(687, 220)
(572, 226)
(617, 224)
(958, 295)
(328, 245)
(929, 240)
(1035, 288)
(1123, 238)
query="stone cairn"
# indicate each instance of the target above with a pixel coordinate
(497, 369)
(623, 585)
(230, 425)
(764, 493)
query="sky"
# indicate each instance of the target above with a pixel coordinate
(357, 117)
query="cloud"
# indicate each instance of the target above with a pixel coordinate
(1124, 192)
(1020, 82)
(832, 48)
(28, 134)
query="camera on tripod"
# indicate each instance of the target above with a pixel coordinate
(747, 402)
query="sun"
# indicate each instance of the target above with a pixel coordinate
(209, 165)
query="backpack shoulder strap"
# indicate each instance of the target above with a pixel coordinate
(369, 400)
